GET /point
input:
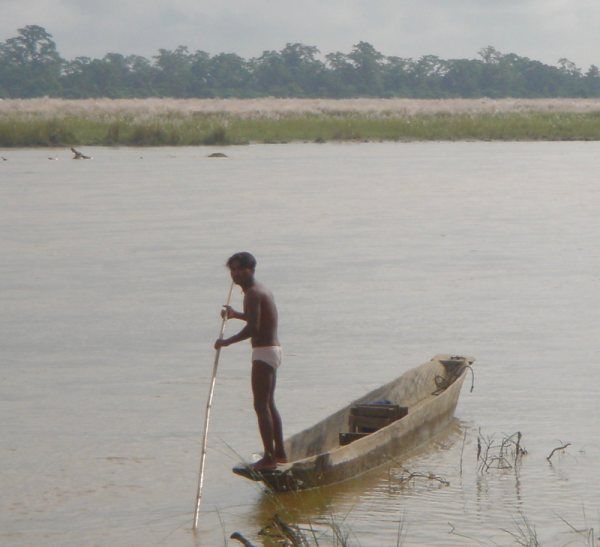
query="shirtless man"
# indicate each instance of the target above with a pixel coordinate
(260, 315)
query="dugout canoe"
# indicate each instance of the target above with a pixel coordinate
(426, 395)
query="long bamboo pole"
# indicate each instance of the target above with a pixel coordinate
(207, 415)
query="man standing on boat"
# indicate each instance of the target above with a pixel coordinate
(260, 315)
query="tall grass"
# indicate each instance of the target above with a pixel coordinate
(272, 107)
(152, 123)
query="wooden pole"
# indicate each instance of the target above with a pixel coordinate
(207, 415)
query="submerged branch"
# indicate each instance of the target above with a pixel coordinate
(563, 447)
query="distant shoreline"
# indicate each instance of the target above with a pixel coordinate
(188, 122)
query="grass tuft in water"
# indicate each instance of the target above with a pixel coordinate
(525, 533)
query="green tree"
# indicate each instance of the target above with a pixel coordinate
(427, 76)
(139, 76)
(540, 80)
(173, 77)
(342, 80)
(592, 81)
(499, 74)
(305, 69)
(77, 79)
(273, 77)
(113, 76)
(396, 77)
(368, 70)
(490, 55)
(200, 74)
(463, 78)
(31, 64)
(229, 75)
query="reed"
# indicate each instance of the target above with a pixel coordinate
(273, 107)
(136, 124)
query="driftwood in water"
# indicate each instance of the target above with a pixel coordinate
(239, 537)
(79, 156)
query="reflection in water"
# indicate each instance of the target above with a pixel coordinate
(336, 503)
(558, 472)
(518, 490)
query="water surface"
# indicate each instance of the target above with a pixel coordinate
(380, 256)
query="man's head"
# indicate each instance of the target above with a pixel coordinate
(242, 266)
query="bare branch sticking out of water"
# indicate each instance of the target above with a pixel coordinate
(406, 476)
(561, 448)
(462, 450)
(239, 537)
(506, 454)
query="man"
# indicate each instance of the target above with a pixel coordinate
(260, 315)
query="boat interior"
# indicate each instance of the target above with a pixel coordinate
(378, 409)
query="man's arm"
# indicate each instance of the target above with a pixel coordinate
(251, 315)
(232, 314)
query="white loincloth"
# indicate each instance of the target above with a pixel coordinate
(271, 355)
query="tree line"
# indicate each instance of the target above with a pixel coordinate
(31, 66)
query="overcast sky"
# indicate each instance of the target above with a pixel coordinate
(540, 29)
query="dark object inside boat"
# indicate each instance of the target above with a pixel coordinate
(367, 418)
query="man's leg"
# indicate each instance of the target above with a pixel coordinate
(263, 381)
(280, 454)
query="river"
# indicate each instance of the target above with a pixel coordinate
(380, 255)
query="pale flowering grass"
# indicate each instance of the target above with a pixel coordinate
(156, 122)
(275, 108)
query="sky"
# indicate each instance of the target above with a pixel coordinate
(545, 30)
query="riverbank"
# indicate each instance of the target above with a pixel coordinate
(158, 122)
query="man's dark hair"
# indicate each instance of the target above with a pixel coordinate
(244, 259)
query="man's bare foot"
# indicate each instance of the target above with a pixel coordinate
(264, 464)
(281, 456)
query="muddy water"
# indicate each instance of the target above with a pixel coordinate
(380, 256)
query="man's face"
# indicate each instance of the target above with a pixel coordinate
(239, 274)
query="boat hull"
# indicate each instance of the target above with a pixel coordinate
(431, 412)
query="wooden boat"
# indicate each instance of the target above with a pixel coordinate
(386, 423)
